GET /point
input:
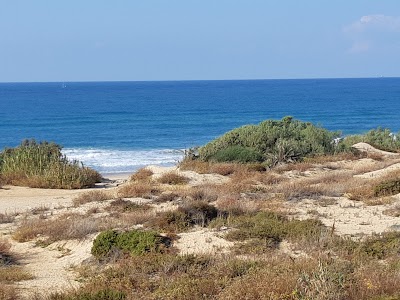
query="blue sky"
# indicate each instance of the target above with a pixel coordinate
(96, 40)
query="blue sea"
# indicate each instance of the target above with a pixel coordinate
(122, 126)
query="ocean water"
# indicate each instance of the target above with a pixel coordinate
(121, 126)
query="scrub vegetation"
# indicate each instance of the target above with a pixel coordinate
(264, 197)
(42, 165)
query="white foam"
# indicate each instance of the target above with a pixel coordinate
(120, 161)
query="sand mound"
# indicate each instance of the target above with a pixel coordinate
(364, 147)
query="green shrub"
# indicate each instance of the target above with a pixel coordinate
(134, 242)
(272, 141)
(387, 188)
(43, 165)
(273, 228)
(381, 138)
(381, 246)
(238, 154)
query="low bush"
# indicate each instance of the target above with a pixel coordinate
(134, 242)
(380, 247)
(66, 227)
(173, 178)
(138, 189)
(43, 165)
(387, 188)
(91, 196)
(273, 227)
(142, 174)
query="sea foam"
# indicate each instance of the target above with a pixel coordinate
(119, 161)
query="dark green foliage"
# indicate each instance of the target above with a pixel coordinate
(134, 242)
(381, 246)
(272, 141)
(387, 188)
(237, 154)
(273, 228)
(191, 213)
(43, 165)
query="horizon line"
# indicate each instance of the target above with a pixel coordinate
(194, 80)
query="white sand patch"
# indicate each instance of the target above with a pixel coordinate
(51, 266)
(349, 217)
(202, 242)
(196, 179)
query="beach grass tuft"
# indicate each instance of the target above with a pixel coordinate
(42, 165)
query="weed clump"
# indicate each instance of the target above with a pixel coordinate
(91, 196)
(173, 178)
(43, 165)
(134, 242)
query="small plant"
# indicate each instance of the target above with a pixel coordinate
(134, 242)
(91, 196)
(173, 178)
(381, 246)
(138, 189)
(142, 174)
(387, 188)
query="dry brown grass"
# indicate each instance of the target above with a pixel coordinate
(393, 211)
(138, 189)
(142, 174)
(8, 292)
(173, 178)
(6, 218)
(12, 274)
(66, 227)
(92, 196)
(299, 167)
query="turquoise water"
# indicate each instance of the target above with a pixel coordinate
(121, 126)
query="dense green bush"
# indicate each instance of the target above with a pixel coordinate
(381, 138)
(43, 165)
(134, 242)
(238, 154)
(271, 141)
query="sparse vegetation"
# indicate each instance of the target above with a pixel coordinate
(43, 165)
(281, 250)
(173, 178)
(134, 242)
(91, 196)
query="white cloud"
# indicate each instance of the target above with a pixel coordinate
(374, 22)
(372, 31)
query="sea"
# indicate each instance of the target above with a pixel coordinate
(117, 127)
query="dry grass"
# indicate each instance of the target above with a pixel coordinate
(7, 292)
(173, 178)
(12, 274)
(142, 174)
(66, 227)
(6, 218)
(393, 211)
(92, 196)
(138, 189)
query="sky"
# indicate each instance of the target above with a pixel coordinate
(131, 40)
